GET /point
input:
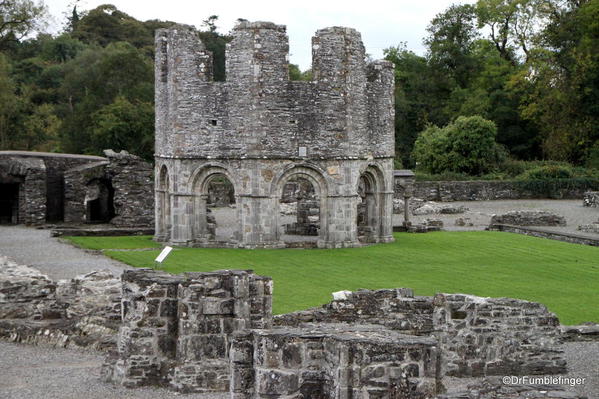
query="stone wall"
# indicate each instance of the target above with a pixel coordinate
(332, 361)
(496, 389)
(529, 218)
(83, 312)
(496, 336)
(477, 336)
(447, 191)
(591, 198)
(176, 329)
(128, 176)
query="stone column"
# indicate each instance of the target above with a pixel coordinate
(182, 216)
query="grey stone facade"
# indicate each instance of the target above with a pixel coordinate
(260, 130)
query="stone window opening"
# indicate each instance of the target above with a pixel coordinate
(299, 211)
(9, 203)
(213, 122)
(99, 201)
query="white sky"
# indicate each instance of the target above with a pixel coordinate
(383, 23)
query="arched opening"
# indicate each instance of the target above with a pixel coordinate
(163, 205)
(99, 201)
(215, 213)
(369, 209)
(221, 215)
(300, 210)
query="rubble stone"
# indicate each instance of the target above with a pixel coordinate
(529, 218)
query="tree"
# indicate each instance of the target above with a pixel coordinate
(513, 24)
(451, 37)
(125, 125)
(19, 18)
(465, 146)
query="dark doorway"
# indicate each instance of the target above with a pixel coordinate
(99, 200)
(9, 203)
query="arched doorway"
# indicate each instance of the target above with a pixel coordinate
(301, 195)
(215, 215)
(369, 207)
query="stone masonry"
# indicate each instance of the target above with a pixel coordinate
(176, 328)
(591, 198)
(260, 130)
(529, 218)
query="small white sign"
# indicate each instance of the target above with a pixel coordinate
(302, 151)
(167, 250)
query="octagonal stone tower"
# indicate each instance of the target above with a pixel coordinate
(259, 130)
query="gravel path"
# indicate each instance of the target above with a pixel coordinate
(29, 372)
(480, 213)
(33, 247)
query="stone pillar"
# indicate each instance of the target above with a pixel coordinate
(340, 230)
(182, 216)
(148, 333)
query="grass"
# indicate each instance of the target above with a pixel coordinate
(563, 276)
(125, 242)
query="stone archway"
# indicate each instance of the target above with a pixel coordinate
(369, 212)
(99, 201)
(320, 196)
(205, 226)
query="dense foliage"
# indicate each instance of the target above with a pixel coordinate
(529, 66)
(466, 145)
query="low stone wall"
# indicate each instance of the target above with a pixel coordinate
(477, 336)
(396, 309)
(591, 198)
(542, 233)
(477, 190)
(332, 361)
(496, 336)
(81, 312)
(176, 328)
(529, 218)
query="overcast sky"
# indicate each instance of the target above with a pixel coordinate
(383, 23)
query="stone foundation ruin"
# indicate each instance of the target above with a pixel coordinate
(259, 131)
(213, 332)
(38, 188)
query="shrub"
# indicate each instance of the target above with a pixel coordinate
(548, 172)
(465, 146)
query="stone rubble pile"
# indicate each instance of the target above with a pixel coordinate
(81, 312)
(591, 199)
(529, 218)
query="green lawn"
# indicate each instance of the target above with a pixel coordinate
(128, 242)
(563, 276)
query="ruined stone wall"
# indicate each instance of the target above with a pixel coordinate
(176, 329)
(447, 191)
(496, 336)
(40, 177)
(83, 312)
(332, 361)
(591, 198)
(130, 177)
(477, 336)
(260, 130)
(396, 309)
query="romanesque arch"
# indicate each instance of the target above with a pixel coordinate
(204, 227)
(370, 188)
(316, 178)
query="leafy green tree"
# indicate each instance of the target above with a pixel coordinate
(19, 18)
(125, 125)
(465, 146)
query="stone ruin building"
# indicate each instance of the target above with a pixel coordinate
(214, 332)
(259, 131)
(38, 188)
